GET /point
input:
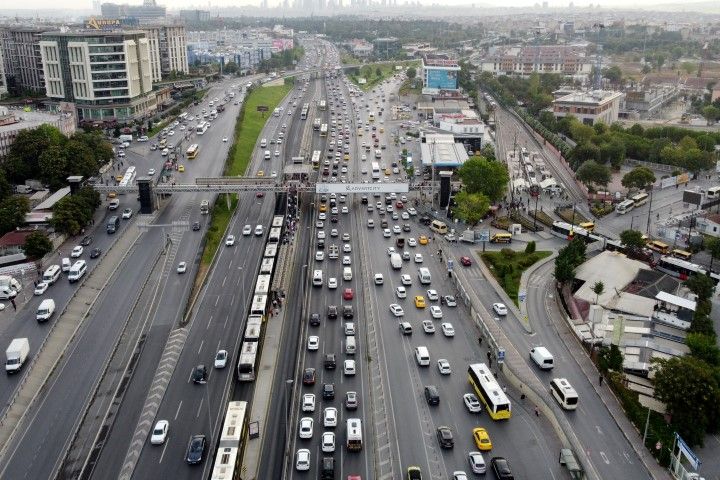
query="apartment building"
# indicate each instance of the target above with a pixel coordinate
(21, 57)
(106, 74)
(168, 50)
(565, 60)
(589, 107)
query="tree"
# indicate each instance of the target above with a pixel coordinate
(530, 247)
(70, 215)
(610, 358)
(689, 388)
(471, 207)
(411, 72)
(378, 72)
(638, 177)
(581, 133)
(480, 175)
(598, 289)
(613, 74)
(230, 68)
(23, 157)
(488, 151)
(12, 212)
(713, 246)
(704, 347)
(564, 270)
(632, 239)
(711, 114)
(701, 285)
(37, 245)
(592, 173)
(5, 187)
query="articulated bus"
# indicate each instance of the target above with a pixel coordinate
(192, 151)
(234, 433)
(323, 105)
(640, 199)
(253, 328)
(259, 305)
(128, 179)
(354, 434)
(323, 130)
(683, 269)
(304, 111)
(202, 128)
(247, 362)
(262, 286)
(316, 124)
(316, 159)
(489, 392)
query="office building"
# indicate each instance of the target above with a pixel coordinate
(168, 50)
(149, 11)
(21, 58)
(106, 74)
(14, 121)
(191, 16)
(386, 47)
(589, 107)
(439, 73)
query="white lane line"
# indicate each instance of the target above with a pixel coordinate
(177, 412)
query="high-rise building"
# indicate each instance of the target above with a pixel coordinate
(149, 11)
(106, 74)
(21, 57)
(195, 15)
(168, 50)
(3, 81)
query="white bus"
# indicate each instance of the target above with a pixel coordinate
(375, 171)
(253, 328)
(624, 206)
(489, 392)
(354, 434)
(201, 128)
(316, 159)
(128, 178)
(182, 117)
(247, 361)
(640, 199)
(323, 130)
(316, 124)
(258, 305)
(262, 286)
(564, 393)
(232, 442)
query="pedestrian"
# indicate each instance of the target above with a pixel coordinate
(600, 379)
(504, 388)
(12, 301)
(36, 283)
(537, 411)
(522, 396)
(488, 355)
(480, 341)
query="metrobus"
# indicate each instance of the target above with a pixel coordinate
(274, 235)
(316, 159)
(253, 328)
(262, 286)
(247, 361)
(128, 179)
(489, 392)
(304, 111)
(229, 454)
(375, 171)
(192, 151)
(277, 221)
(624, 206)
(259, 305)
(202, 128)
(640, 199)
(316, 124)
(323, 105)
(270, 251)
(354, 434)
(323, 130)
(683, 269)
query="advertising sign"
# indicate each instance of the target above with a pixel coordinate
(103, 23)
(345, 188)
(442, 79)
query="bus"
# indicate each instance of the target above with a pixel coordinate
(713, 193)
(274, 235)
(489, 392)
(683, 269)
(375, 171)
(202, 128)
(323, 105)
(640, 199)
(253, 328)
(304, 111)
(128, 178)
(247, 361)
(624, 206)
(259, 305)
(316, 159)
(277, 221)
(316, 124)
(270, 251)
(182, 117)
(229, 454)
(192, 151)
(564, 393)
(323, 130)
(354, 434)
(262, 286)
(657, 246)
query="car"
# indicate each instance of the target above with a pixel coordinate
(309, 376)
(419, 301)
(196, 227)
(171, 133)
(314, 319)
(466, 261)
(260, 173)
(181, 168)
(40, 288)
(445, 437)
(199, 374)
(500, 308)
(320, 234)
(390, 251)
(346, 260)
(230, 241)
(501, 468)
(436, 312)
(348, 294)
(247, 230)
(330, 417)
(477, 462)
(302, 460)
(328, 391)
(95, 253)
(305, 430)
(127, 213)
(328, 442)
(322, 216)
(444, 366)
(397, 230)
(76, 251)
(450, 301)
(334, 232)
(422, 240)
(221, 358)
(260, 195)
(405, 328)
(418, 258)
(428, 326)
(401, 292)
(371, 223)
(313, 342)
(412, 211)
(345, 237)
(482, 439)
(396, 310)
(459, 475)
(320, 255)
(405, 216)
(447, 329)
(225, 139)
(349, 367)
(195, 449)
(351, 400)
(412, 242)
(160, 432)
(378, 279)
(347, 248)
(433, 295)
(330, 361)
(472, 403)
(87, 240)
(332, 283)
(182, 267)
(151, 172)
(432, 395)
(308, 402)
(386, 233)
(414, 473)
(332, 312)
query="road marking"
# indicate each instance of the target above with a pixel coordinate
(227, 317)
(201, 345)
(604, 457)
(178, 410)
(167, 440)
(217, 299)
(208, 324)
(223, 284)
(200, 407)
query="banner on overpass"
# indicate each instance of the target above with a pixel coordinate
(346, 188)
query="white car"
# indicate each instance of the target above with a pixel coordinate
(401, 292)
(396, 310)
(500, 308)
(433, 295)
(247, 230)
(306, 427)
(349, 367)
(334, 232)
(418, 258)
(320, 255)
(308, 402)
(412, 242)
(160, 432)
(221, 359)
(428, 326)
(450, 301)
(412, 211)
(346, 260)
(444, 366)
(259, 230)
(230, 241)
(41, 288)
(224, 139)
(273, 174)
(330, 417)
(151, 172)
(397, 230)
(76, 251)
(347, 248)
(447, 329)
(472, 403)
(322, 216)
(346, 237)
(386, 233)
(302, 460)
(390, 251)
(321, 235)
(459, 475)
(171, 133)
(332, 282)
(406, 279)
(182, 267)
(477, 462)
(277, 153)
(313, 342)
(328, 442)
(435, 311)
(405, 216)
(378, 279)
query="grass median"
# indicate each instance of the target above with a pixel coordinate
(508, 265)
(370, 73)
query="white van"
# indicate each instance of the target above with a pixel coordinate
(347, 274)
(65, 264)
(263, 143)
(317, 278)
(564, 393)
(350, 344)
(422, 356)
(51, 274)
(424, 275)
(267, 155)
(45, 310)
(77, 271)
(542, 358)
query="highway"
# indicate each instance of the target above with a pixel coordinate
(36, 452)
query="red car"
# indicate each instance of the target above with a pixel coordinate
(399, 204)
(466, 261)
(348, 294)
(260, 194)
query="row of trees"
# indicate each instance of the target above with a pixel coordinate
(484, 183)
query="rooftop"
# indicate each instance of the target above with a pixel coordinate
(594, 97)
(31, 119)
(53, 199)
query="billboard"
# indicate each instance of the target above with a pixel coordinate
(442, 79)
(280, 44)
(346, 188)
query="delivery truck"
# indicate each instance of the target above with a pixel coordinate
(16, 354)
(396, 261)
(9, 287)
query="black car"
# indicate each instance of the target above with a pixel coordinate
(196, 226)
(195, 449)
(321, 244)
(425, 220)
(199, 374)
(332, 312)
(329, 361)
(334, 219)
(309, 376)
(364, 200)
(96, 252)
(406, 227)
(86, 241)
(445, 437)
(314, 319)
(328, 391)
(432, 396)
(348, 312)
(501, 468)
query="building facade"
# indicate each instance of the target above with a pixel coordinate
(3, 80)
(21, 57)
(439, 73)
(168, 50)
(589, 107)
(12, 122)
(194, 16)
(524, 61)
(149, 11)
(106, 74)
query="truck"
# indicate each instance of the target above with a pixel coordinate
(221, 107)
(126, 138)
(468, 236)
(204, 207)
(396, 261)
(16, 354)
(9, 287)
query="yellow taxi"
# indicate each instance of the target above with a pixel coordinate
(112, 195)
(423, 240)
(388, 172)
(347, 157)
(118, 177)
(359, 132)
(181, 168)
(420, 301)
(482, 439)
(261, 173)
(323, 208)
(382, 130)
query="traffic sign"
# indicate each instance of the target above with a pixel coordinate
(522, 295)
(450, 265)
(501, 355)
(484, 235)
